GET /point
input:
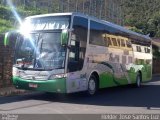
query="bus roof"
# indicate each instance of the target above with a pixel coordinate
(115, 26)
(47, 15)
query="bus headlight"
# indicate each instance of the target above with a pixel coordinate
(58, 76)
(15, 71)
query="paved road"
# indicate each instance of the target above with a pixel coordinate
(111, 100)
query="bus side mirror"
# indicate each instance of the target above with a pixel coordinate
(64, 37)
(10, 36)
(6, 39)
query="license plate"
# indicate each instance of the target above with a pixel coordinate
(31, 85)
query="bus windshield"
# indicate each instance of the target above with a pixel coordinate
(38, 47)
(41, 51)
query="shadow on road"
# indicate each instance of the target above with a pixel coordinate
(146, 96)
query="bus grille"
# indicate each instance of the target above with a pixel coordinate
(31, 77)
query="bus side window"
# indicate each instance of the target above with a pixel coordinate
(138, 48)
(123, 43)
(74, 51)
(106, 41)
(109, 41)
(147, 50)
(119, 42)
(97, 34)
(114, 42)
(128, 44)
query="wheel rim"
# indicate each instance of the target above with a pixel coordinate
(92, 86)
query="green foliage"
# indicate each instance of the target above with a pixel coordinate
(136, 30)
(9, 22)
(156, 53)
(5, 25)
(144, 15)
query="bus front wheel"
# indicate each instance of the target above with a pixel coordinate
(92, 85)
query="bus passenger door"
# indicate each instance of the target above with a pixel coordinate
(76, 80)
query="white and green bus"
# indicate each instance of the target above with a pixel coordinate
(72, 52)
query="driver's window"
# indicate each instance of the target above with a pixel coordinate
(26, 48)
(78, 44)
(74, 51)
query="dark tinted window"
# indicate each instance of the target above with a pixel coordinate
(97, 34)
(147, 50)
(114, 42)
(138, 48)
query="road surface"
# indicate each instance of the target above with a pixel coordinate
(125, 100)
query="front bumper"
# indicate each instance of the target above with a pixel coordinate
(56, 85)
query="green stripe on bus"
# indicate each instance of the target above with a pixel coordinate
(56, 85)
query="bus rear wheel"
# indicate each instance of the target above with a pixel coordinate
(92, 85)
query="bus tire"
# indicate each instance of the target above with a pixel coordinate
(138, 80)
(92, 85)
